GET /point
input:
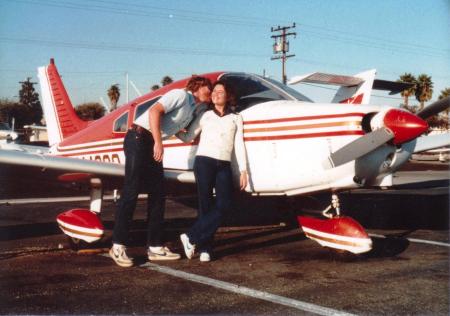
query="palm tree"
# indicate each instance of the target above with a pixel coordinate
(424, 89)
(113, 95)
(166, 80)
(409, 78)
(155, 87)
(444, 93)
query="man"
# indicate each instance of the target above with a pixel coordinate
(144, 154)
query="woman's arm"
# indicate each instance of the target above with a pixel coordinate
(239, 149)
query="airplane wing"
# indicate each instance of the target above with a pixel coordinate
(43, 162)
(429, 142)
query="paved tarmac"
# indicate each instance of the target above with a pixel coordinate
(263, 264)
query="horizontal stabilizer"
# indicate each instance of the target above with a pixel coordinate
(324, 78)
(393, 87)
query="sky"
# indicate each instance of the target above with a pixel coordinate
(98, 43)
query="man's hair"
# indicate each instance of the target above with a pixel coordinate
(196, 82)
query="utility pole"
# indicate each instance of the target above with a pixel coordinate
(281, 46)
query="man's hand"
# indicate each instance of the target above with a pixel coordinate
(243, 180)
(158, 152)
(156, 112)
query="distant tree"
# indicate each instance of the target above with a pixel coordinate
(90, 111)
(21, 113)
(424, 89)
(155, 87)
(29, 97)
(438, 121)
(445, 117)
(409, 78)
(444, 93)
(113, 95)
(166, 80)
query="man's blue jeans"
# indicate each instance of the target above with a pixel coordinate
(142, 174)
(210, 173)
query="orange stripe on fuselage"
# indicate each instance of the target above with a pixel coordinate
(303, 118)
(299, 127)
(306, 135)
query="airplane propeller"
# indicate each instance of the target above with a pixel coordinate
(434, 108)
(394, 125)
(358, 148)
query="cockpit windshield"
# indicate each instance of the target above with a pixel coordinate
(252, 89)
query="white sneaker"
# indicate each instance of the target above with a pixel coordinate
(205, 257)
(119, 255)
(161, 253)
(189, 249)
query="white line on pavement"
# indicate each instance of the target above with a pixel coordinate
(303, 306)
(419, 241)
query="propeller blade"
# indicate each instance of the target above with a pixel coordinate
(358, 147)
(434, 108)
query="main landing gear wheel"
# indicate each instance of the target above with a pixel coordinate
(338, 232)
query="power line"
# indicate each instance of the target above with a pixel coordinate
(352, 38)
(129, 48)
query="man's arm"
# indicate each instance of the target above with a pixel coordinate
(156, 112)
(192, 130)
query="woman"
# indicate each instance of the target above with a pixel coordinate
(221, 132)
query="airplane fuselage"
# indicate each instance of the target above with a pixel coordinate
(286, 142)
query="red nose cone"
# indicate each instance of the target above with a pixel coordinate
(405, 125)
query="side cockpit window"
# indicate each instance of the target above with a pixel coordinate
(250, 90)
(141, 108)
(121, 124)
(253, 89)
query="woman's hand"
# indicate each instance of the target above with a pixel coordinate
(243, 180)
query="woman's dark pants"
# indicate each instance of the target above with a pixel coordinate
(210, 173)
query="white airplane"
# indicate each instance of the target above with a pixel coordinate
(294, 146)
(7, 134)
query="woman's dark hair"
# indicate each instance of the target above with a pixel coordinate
(230, 104)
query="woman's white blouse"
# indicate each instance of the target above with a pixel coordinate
(220, 135)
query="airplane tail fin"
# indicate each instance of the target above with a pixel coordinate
(60, 116)
(357, 94)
